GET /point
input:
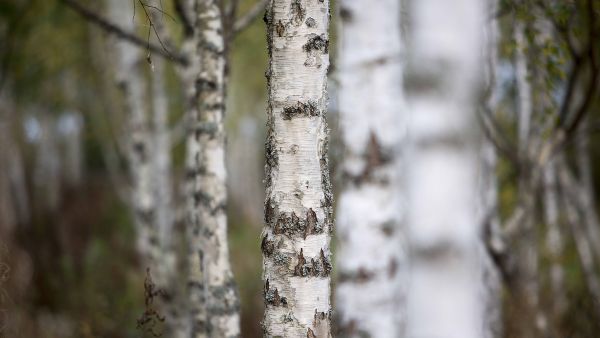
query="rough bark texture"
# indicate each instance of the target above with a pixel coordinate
(211, 278)
(441, 170)
(372, 257)
(298, 206)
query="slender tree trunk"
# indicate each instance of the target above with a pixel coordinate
(214, 280)
(47, 165)
(131, 82)
(488, 206)
(584, 168)
(70, 127)
(298, 206)
(372, 255)
(554, 238)
(527, 244)
(441, 169)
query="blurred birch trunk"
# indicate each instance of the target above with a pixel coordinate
(213, 294)
(372, 256)
(441, 169)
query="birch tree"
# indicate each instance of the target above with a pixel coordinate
(131, 82)
(298, 206)
(441, 168)
(211, 279)
(371, 255)
(488, 186)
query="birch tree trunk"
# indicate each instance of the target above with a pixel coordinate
(554, 238)
(47, 164)
(298, 206)
(211, 275)
(372, 257)
(70, 127)
(488, 206)
(441, 170)
(131, 82)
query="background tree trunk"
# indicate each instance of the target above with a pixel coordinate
(298, 206)
(372, 255)
(441, 167)
(131, 82)
(209, 230)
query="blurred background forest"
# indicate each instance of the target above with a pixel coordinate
(68, 262)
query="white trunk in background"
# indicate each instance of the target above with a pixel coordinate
(526, 245)
(441, 169)
(298, 206)
(372, 255)
(12, 165)
(47, 164)
(524, 102)
(584, 169)
(488, 185)
(554, 237)
(128, 60)
(70, 128)
(213, 286)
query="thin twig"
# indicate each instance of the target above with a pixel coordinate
(246, 20)
(111, 28)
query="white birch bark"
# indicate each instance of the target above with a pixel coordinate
(212, 284)
(298, 206)
(524, 102)
(130, 80)
(372, 255)
(441, 169)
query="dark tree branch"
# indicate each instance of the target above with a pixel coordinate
(188, 28)
(122, 34)
(246, 20)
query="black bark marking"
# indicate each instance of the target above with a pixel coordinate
(318, 43)
(298, 13)
(311, 23)
(392, 268)
(310, 334)
(388, 228)
(272, 296)
(291, 225)
(301, 109)
(311, 223)
(280, 28)
(375, 157)
(346, 14)
(267, 246)
(315, 267)
(359, 277)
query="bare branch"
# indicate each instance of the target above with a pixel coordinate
(186, 21)
(247, 19)
(111, 28)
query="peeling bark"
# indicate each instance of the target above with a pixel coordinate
(372, 257)
(298, 206)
